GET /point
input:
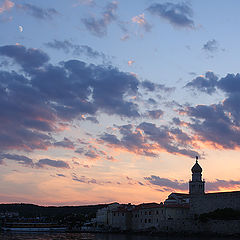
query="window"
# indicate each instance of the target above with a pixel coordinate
(122, 214)
(145, 213)
(150, 212)
(114, 214)
(149, 220)
(135, 215)
(145, 220)
(157, 212)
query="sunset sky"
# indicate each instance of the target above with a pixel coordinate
(104, 101)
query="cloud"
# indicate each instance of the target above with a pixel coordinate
(217, 124)
(218, 184)
(18, 158)
(167, 183)
(26, 118)
(7, 5)
(38, 12)
(27, 58)
(148, 139)
(60, 175)
(155, 114)
(171, 185)
(213, 125)
(76, 49)
(205, 83)
(79, 150)
(210, 82)
(92, 119)
(98, 27)
(130, 140)
(130, 62)
(65, 143)
(29, 162)
(211, 46)
(42, 98)
(93, 153)
(177, 14)
(171, 140)
(230, 84)
(142, 22)
(52, 163)
(84, 179)
(151, 101)
(150, 86)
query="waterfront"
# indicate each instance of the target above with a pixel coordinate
(98, 236)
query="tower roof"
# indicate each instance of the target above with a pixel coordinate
(196, 168)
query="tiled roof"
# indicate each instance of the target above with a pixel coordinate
(148, 205)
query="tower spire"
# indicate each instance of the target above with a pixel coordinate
(196, 185)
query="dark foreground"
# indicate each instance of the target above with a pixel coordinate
(98, 236)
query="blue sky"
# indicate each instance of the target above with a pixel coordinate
(112, 100)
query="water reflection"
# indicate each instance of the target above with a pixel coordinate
(90, 236)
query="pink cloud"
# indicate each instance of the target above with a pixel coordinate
(7, 5)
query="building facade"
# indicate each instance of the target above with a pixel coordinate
(176, 213)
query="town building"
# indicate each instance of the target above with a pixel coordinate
(201, 202)
(177, 213)
(147, 216)
(104, 215)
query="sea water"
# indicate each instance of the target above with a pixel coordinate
(98, 236)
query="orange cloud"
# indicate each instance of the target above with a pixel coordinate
(130, 62)
(139, 19)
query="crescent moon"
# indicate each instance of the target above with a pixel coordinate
(20, 28)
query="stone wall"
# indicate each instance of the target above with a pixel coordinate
(212, 201)
(229, 227)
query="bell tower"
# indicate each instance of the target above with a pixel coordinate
(196, 185)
